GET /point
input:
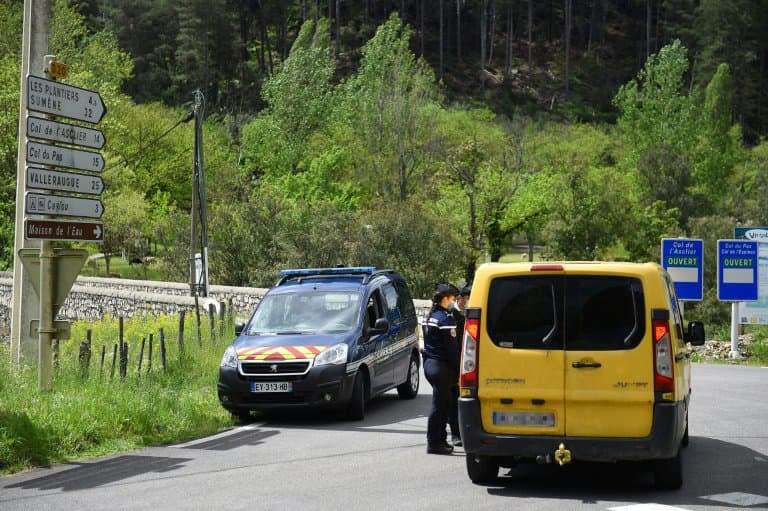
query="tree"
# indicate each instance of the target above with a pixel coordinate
(126, 225)
(391, 105)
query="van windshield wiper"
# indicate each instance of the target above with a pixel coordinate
(290, 333)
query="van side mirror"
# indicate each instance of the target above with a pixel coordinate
(239, 328)
(380, 327)
(695, 333)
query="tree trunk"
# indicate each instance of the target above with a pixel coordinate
(510, 36)
(491, 32)
(317, 11)
(568, 21)
(530, 38)
(421, 28)
(483, 40)
(647, 29)
(440, 2)
(458, 30)
(338, 29)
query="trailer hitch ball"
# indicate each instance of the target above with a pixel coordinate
(562, 455)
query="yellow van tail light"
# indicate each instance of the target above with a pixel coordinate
(664, 372)
(469, 351)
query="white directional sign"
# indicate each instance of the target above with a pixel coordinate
(60, 205)
(44, 179)
(62, 132)
(68, 101)
(46, 154)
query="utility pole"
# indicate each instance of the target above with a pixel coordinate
(198, 283)
(26, 303)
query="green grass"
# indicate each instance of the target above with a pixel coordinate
(93, 414)
(120, 268)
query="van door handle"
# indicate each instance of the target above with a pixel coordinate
(581, 364)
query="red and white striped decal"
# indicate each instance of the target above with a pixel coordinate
(280, 353)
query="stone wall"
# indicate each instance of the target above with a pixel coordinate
(92, 298)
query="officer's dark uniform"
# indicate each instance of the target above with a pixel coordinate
(441, 367)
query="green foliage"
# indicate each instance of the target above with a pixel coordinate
(91, 413)
(10, 52)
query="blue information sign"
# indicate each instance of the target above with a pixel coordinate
(736, 271)
(684, 261)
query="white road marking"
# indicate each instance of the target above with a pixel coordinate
(738, 499)
(223, 434)
(647, 507)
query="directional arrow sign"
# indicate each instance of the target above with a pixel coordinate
(68, 101)
(63, 230)
(57, 181)
(62, 132)
(47, 154)
(62, 205)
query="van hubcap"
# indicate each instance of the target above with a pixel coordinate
(414, 376)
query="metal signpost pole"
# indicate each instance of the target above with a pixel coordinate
(25, 300)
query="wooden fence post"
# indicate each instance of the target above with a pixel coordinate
(103, 354)
(222, 316)
(212, 320)
(162, 348)
(181, 332)
(141, 355)
(149, 360)
(114, 358)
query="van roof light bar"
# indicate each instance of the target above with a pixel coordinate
(315, 272)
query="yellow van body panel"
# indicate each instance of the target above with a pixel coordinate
(615, 399)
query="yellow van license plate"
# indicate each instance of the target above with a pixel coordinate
(546, 419)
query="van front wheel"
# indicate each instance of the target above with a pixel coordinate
(481, 470)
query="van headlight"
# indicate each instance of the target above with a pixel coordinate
(230, 358)
(334, 355)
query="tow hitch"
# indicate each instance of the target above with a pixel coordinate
(562, 455)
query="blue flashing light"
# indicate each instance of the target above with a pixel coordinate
(350, 270)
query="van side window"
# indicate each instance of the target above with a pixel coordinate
(404, 300)
(373, 310)
(523, 312)
(603, 313)
(390, 296)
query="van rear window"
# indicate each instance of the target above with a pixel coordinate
(522, 312)
(575, 312)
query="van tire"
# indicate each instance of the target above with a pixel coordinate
(685, 435)
(482, 469)
(668, 474)
(409, 389)
(356, 407)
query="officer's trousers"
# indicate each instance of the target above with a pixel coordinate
(442, 377)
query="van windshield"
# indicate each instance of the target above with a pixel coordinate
(304, 313)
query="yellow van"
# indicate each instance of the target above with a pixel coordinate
(575, 361)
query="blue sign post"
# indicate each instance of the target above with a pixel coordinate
(684, 261)
(736, 271)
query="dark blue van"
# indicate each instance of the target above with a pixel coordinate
(325, 337)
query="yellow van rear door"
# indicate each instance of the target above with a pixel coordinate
(521, 356)
(608, 358)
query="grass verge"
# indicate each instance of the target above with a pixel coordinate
(90, 412)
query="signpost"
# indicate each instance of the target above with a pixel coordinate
(56, 270)
(47, 154)
(63, 230)
(63, 205)
(53, 131)
(737, 280)
(54, 98)
(684, 260)
(756, 313)
(54, 180)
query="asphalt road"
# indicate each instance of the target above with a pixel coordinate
(301, 463)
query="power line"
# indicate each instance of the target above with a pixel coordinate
(137, 156)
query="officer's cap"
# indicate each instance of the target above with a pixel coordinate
(444, 289)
